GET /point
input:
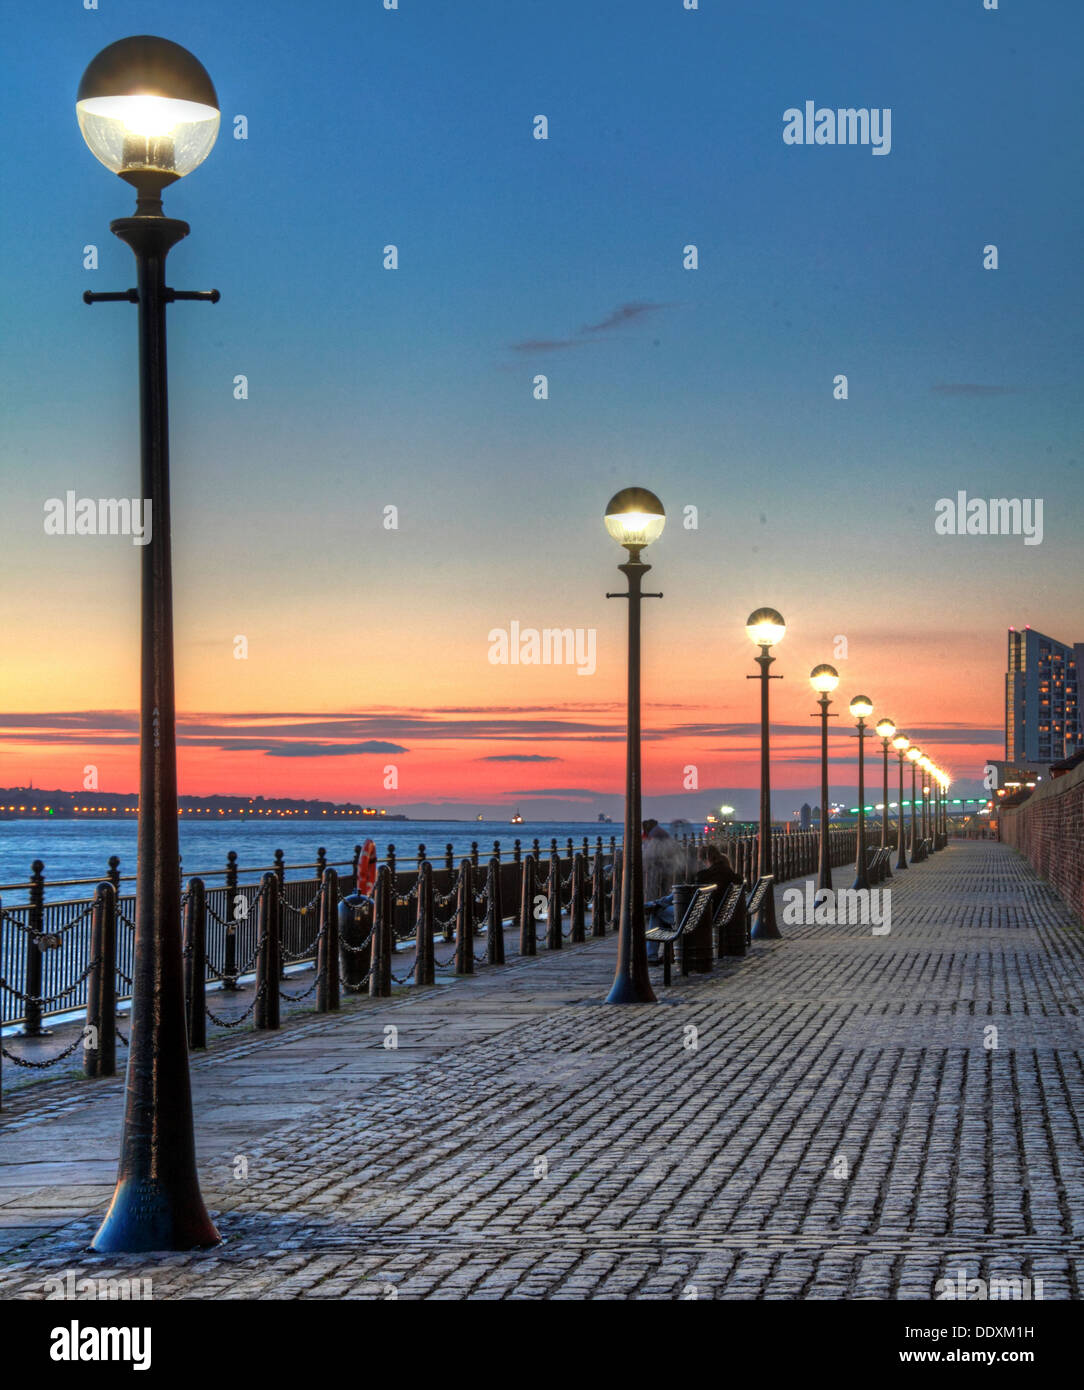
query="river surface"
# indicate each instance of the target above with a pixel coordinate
(72, 849)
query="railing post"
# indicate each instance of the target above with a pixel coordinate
(327, 959)
(615, 883)
(229, 965)
(321, 862)
(474, 854)
(195, 963)
(354, 868)
(554, 940)
(494, 914)
(449, 861)
(268, 956)
(577, 916)
(32, 1020)
(424, 969)
(100, 1038)
(280, 874)
(497, 850)
(383, 904)
(527, 943)
(598, 892)
(517, 851)
(464, 920)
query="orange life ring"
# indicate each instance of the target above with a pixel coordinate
(367, 869)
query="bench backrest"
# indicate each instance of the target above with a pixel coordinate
(761, 888)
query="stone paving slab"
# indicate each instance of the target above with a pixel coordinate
(828, 1118)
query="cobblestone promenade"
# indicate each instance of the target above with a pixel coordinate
(828, 1118)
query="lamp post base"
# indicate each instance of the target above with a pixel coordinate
(626, 991)
(148, 1215)
(765, 928)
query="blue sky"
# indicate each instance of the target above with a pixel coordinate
(413, 387)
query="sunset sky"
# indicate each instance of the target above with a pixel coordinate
(412, 388)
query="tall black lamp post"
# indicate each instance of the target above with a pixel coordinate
(917, 852)
(925, 764)
(765, 628)
(824, 680)
(148, 110)
(635, 518)
(945, 781)
(861, 708)
(901, 743)
(887, 729)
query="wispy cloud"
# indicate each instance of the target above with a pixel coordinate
(518, 758)
(971, 388)
(616, 318)
(624, 313)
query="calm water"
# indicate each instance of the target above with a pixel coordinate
(81, 849)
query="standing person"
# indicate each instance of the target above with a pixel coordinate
(663, 860)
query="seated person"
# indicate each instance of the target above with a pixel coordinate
(718, 871)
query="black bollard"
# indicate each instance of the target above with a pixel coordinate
(527, 944)
(194, 945)
(424, 970)
(100, 1036)
(577, 914)
(554, 940)
(494, 914)
(229, 966)
(383, 904)
(598, 892)
(268, 956)
(327, 958)
(32, 1020)
(464, 920)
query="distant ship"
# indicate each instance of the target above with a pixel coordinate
(517, 819)
(604, 819)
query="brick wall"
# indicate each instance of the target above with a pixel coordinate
(1049, 831)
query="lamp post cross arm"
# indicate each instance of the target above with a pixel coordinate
(625, 595)
(132, 296)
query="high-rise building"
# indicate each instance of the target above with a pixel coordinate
(1042, 698)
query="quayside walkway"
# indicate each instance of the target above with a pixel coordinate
(826, 1118)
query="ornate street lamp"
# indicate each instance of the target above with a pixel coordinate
(824, 680)
(861, 708)
(901, 743)
(946, 782)
(887, 729)
(635, 518)
(149, 112)
(765, 628)
(925, 764)
(917, 851)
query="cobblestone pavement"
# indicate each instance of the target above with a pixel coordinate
(828, 1118)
